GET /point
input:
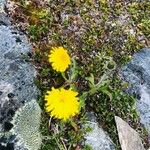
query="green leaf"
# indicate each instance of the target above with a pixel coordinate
(91, 80)
(74, 70)
(82, 99)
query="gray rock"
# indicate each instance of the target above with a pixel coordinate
(16, 78)
(137, 73)
(2, 5)
(97, 138)
(128, 137)
(4, 19)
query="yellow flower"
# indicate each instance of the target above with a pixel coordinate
(62, 103)
(59, 58)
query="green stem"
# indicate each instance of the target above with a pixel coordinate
(63, 75)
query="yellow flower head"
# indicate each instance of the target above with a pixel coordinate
(62, 103)
(59, 58)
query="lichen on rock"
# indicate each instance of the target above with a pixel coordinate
(137, 74)
(26, 126)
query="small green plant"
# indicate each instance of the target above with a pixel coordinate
(56, 98)
(87, 147)
(60, 61)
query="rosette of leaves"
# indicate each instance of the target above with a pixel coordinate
(26, 126)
